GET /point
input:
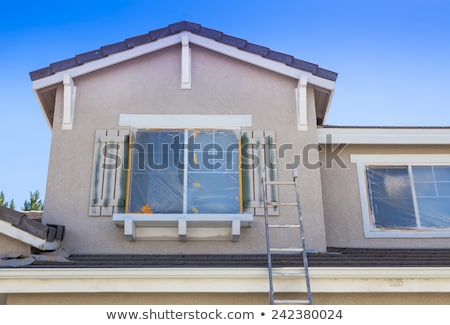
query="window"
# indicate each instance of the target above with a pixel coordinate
(409, 196)
(405, 195)
(193, 171)
(185, 171)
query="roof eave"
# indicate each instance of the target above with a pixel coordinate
(384, 135)
(174, 29)
(220, 280)
(237, 53)
(165, 37)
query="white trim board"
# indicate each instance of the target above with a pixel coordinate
(383, 135)
(333, 280)
(131, 221)
(185, 121)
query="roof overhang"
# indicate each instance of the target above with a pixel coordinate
(384, 135)
(168, 41)
(44, 81)
(224, 280)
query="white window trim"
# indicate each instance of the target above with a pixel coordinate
(185, 121)
(362, 161)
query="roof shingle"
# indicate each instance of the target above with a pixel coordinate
(334, 257)
(194, 28)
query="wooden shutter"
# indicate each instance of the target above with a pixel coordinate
(258, 159)
(109, 172)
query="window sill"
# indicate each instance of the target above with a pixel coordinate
(132, 222)
(407, 233)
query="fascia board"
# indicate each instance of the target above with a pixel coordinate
(333, 280)
(175, 39)
(383, 136)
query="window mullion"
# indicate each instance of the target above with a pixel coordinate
(185, 171)
(371, 207)
(434, 182)
(414, 197)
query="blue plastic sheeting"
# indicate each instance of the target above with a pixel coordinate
(160, 169)
(410, 197)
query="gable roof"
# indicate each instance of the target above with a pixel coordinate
(46, 80)
(176, 28)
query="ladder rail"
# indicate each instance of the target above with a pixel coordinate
(269, 252)
(268, 226)
(302, 238)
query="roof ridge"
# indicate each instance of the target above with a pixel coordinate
(175, 28)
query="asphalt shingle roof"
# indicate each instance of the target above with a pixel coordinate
(175, 28)
(334, 257)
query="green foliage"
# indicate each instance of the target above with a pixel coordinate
(3, 202)
(34, 203)
(12, 205)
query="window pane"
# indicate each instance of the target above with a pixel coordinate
(442, 173)
(156, 184)
(425, 189)
(390, 197)
(423, 173)
(433, 195)
(443, 188)
(213, 178)
(213, 193)
(434, 212)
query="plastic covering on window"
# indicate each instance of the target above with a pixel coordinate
(392, 200)
(390, 195)
(432, 186)
(164, 180)
(156, 184)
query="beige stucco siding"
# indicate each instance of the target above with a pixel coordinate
(342, 206)
(224, 299)
(151, 85)
(12, 247)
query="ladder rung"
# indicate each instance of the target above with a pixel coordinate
(291, 302)
(287, 249)
(270, 203)
(279, 183)
(283, 226)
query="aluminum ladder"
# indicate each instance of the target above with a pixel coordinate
(287, 227)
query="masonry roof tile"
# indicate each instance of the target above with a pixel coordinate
(171, 30)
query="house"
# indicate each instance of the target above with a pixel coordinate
(159, 146)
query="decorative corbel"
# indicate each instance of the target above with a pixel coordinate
(69, 102)
(185, 62)
(301, 104)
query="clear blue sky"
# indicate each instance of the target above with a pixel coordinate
(393, 58)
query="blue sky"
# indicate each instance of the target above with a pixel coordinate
(393, 58)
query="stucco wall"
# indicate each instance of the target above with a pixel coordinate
(151, 85)
(342, 206)
(12, 247)
(224, 299)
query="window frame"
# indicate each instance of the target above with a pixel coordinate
(363, 161)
